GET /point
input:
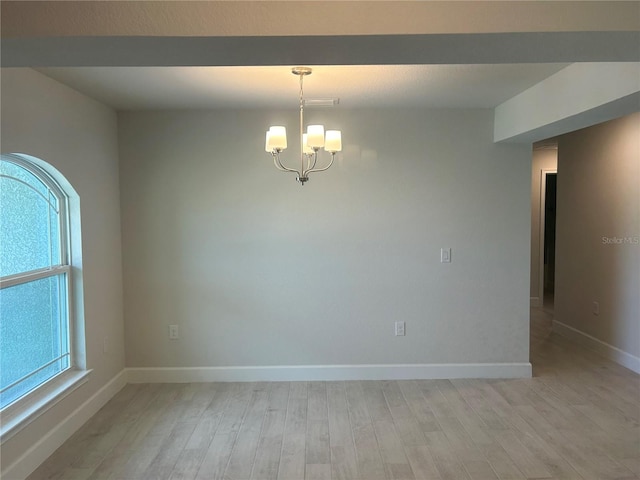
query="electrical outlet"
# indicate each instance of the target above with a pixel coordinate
(445, 255)
(595, 308)
(173, 332)
(399, 329)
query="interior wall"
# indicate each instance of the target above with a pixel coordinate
(77, 136)
(598, 233)
(543, 159)
(257, 270)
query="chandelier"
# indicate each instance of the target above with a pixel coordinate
(311, 142)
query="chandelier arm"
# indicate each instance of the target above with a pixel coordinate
(279, 166)
(333, 156)
(311, 166)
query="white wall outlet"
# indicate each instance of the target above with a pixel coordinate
(445, 255)
(173, 332)
(595, 308)
(399, 329)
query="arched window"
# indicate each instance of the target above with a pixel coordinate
(35, 327)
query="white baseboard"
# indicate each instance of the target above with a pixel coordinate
(608, 351)
(48, 444)
(535, 302)
(328, 372)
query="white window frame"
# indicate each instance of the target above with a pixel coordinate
(25, 409)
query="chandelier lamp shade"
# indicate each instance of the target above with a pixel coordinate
(311, 142)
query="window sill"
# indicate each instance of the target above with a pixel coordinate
(17, 416)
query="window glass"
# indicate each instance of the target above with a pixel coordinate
(34, 317)
(29, 222)
(34, 336)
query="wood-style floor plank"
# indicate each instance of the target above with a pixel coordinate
(344, 464)
(368, 456)
(292, 457)
(267, 459)
(577, 419)
(317, 439)
(246, 444)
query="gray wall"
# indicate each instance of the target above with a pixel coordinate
(599, 200)
(257, 270)
(77, 136)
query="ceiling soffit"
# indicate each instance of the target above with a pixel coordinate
(310, 18)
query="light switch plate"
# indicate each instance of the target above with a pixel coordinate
(173, 332)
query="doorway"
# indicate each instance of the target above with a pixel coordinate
(548, 237)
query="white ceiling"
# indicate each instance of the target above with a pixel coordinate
(435, 86)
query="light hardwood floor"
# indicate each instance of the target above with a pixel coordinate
(578, 418)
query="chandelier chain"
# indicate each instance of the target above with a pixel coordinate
(301, 91)
(302, 155)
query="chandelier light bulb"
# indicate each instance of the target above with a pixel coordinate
(276, 138)
(333, 141)
(315, 136)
